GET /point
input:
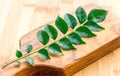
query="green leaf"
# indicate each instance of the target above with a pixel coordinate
(18, 53)
(18, 62)
(93, 26)
(43, 53)
(43, 37)
(84, 32)
(52, 32)
(97, 15)
(75, 38)
(29, 48)
(71, 21)
(66, 44)
(61, 25)
(30, 61)
(81, 15)
(55, 49)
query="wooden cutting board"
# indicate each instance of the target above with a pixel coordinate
(72, 61)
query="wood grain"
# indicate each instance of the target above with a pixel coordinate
(94, 49)
(11, 30)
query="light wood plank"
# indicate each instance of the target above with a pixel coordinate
(39, 19)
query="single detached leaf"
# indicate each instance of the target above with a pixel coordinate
(75, 39)
(43, 53)
(29, 48)
(18, 53)
(71, 21)
(93, 26)
(43, 37)
(55, 49)
(81, 15)
(61, 25)
(84, 32)
(30, 61)
(97, 15)
(52, 32)
(66, 44)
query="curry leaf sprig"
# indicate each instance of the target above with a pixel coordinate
(88, 25)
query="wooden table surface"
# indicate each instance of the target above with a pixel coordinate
(18, 17)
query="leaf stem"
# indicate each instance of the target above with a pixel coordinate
(28, 54)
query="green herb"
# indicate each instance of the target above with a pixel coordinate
(97, 15)
(30, 61)
(61, 25)
(29, 48)
(18, 53)
(71, 21)
(93, 26)
(75, 38)
(43, 37)
(67, 42)
(43, 53)
(81, 15)
(55, 49)
(52, 32)
(84, 32)
(18, 62)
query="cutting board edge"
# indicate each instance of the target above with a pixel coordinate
(90, 58)
(68, 72)
(83, 62)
